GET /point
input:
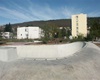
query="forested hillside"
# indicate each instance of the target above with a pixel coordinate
(59, 22)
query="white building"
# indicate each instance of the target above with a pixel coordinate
(6, 35)
(28, 32)
(79, 25)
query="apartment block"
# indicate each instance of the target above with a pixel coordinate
(30, 32)
(79, 25)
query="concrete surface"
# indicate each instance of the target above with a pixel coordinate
(83, 65)
(8, 53)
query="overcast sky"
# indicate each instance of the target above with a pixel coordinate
(15, 11)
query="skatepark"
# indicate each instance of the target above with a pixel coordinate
(73, 61)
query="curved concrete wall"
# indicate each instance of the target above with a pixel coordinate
(48, 51)
(69, 49)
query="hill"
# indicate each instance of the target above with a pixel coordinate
(58, 22)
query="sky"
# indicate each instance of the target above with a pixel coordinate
(17, 11)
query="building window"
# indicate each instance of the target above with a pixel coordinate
(77, 32)
(27, 35)
(76, 24)
(76, 18)
(26, 30)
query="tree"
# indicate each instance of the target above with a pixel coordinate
(79, 37)
(50, 32)
(95, 30)
(63, 32)
(45, 34)
(68, 32)
(53, 33)
(8, 28)
(0, 34)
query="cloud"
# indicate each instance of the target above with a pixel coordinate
(33, 11)
(94, 14)
(14, 14)
(68, 11)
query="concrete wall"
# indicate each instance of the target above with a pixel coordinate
(34, 32)
(22, 32)
(48, 51)
(8, 53)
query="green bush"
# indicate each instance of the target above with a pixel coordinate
(80, 37)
